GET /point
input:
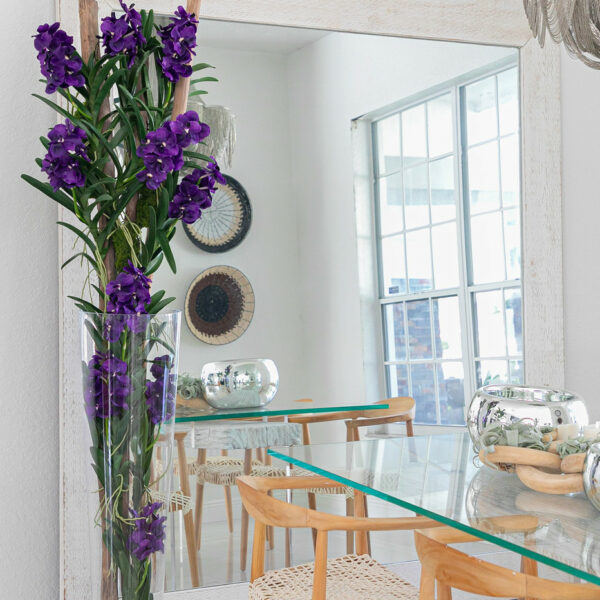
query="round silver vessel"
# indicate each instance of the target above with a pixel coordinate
(509, 403)
(591, 475)
(245, 383)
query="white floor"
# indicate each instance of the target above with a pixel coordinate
(219, 555)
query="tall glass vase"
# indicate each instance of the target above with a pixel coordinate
(129, 367)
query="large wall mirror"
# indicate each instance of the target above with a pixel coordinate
(404, 183)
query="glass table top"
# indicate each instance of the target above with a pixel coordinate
(278, 407)
(439, 477)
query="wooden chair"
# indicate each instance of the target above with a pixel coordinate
(345, 578)
(400, 410)
(449, 568)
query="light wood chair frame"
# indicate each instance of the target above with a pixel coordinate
(400, 409)
(269, 511)
(450, 568)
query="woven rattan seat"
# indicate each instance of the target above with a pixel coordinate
(224, 470)
(349, 577)
(175, 500)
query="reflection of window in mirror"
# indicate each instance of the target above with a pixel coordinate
(448, 240)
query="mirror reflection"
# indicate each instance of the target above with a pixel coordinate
(367, 242)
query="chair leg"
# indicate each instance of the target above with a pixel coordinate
(312, 504)
(228, 509)
(244, 525)
(270, 533)
(529, 567)
(362, 546)
(188, 518)
(444, 591)
(349, 534)
(427, 586)
(201, 460)
(409, 428)
(320, 573)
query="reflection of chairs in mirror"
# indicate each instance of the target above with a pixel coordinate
(223, 470)
(400, 410)
(179, 500)
(324, 578)
(447, 568)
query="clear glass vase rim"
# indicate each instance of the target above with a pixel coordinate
(86, 313)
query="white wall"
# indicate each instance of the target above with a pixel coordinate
(29, 566)
(341, 77)
(580, 91)
(253, 86)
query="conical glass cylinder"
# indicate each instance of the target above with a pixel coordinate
(129, 365)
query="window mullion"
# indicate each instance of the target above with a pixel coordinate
(466, 311)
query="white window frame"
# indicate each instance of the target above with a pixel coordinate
(466, 290)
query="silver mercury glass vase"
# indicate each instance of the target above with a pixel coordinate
(243, 383)
(509, 403)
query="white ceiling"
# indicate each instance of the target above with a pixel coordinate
(257, 38)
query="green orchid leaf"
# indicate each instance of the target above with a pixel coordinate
(166, 248)
(46, 188)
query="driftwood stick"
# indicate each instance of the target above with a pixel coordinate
(88, 26)
(182, 87)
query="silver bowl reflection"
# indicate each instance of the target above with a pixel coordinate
(509, 403)
(245, 383)
(591, 475)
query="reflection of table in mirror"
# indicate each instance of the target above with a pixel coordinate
(439, 477)
(201, 411)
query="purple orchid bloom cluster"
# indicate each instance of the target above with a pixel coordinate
(123, 35)
(60, 64)
(128, 295)
(148, 534)
(108, 386)
(129, 292)
(160, 394)
(194, 193)
(162, 150)
(179, 40)
(61, 162)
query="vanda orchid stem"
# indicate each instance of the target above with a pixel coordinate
(120, 162)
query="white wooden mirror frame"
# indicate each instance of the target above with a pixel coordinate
(498, 22)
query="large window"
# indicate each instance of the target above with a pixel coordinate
(447, 195)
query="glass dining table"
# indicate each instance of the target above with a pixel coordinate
(440, 477)
(278, 407)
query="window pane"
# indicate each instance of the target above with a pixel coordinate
(481, 111)
(419, 329)
(489, 324)
(414, 143)
(487, 251)
(446, 327)
(419, 260)
(510, 166)
(451, 391)
(390, 204)
(445, 255)
(395, 332)
(508, 100)
(416, 196)
(514, 322)
(484, 189)
(491, 371)
(439, 124)
(512, 243)
(398, 380)
(423, 391)
(394, 271)
(516, 371)
(388, 144)
(443, 197)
